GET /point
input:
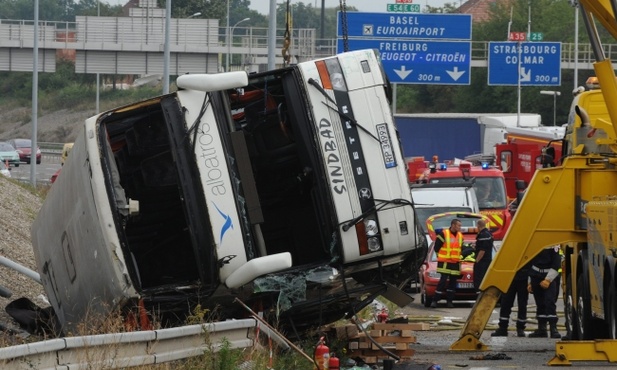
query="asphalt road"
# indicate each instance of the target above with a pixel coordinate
(48, 166)
(433, 346)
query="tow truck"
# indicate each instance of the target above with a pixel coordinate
(572, 204)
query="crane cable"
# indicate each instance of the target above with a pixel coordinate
(344, 29)
(287, 39)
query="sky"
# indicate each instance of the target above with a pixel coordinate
(372, 6)
(369, 6)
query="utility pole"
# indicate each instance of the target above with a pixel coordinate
(166, 51)
(272, 36)
(35, 95)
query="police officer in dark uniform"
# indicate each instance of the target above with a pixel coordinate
(543, 284)
(448, 246)
(517, 291)
(484, 253)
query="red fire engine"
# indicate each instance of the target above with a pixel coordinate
(525, 150)
(489, 183)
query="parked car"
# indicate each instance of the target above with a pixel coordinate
(8, 154)
(24, 149)
(428, 275)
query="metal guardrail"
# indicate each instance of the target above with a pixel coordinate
(51, 148)
(121, 350)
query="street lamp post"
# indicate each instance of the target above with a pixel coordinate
(227, 39)
(166, 51)
(231, 33)
(194, 15)
(555, 95)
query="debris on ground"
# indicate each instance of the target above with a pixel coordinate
(495, 356)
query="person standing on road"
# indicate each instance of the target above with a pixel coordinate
(542, 283)
(518, 291)
(448, 248)
(484, 254)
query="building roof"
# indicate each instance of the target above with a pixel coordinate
(479, 9)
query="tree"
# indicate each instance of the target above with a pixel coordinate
(62, 10)
(48, 10)
(307, 16)
(554, 18)
(97, 7)
(215, 9)
(447, 8)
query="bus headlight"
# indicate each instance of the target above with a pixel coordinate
(367, 232)
(338, 81)
(373, 244)
(371, 227)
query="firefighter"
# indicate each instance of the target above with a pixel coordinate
(448, 247)
(517, 291)
(544, 286)
(484, 254)
(548, 157)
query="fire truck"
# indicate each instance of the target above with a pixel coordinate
(488, 182)
(572, 205)
(525, 151)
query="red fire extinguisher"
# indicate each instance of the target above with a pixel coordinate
(322, 355)
(334, 363)
(383, 315)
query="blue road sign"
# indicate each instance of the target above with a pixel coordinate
(417, 26)
(420, 62)
(540, 63)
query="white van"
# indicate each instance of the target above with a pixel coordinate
(433, 198)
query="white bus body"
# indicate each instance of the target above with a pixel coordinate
(233, 178)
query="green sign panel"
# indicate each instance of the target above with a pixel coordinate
(404, 8)
(535, 36)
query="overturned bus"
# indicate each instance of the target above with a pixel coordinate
(287, 186)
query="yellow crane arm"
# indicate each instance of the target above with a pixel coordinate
(535, 226)
(604, 12)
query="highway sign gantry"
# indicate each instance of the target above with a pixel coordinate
(410, 25)
(420, 61)
(540, 63)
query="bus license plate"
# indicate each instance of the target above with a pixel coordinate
(386, 145)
